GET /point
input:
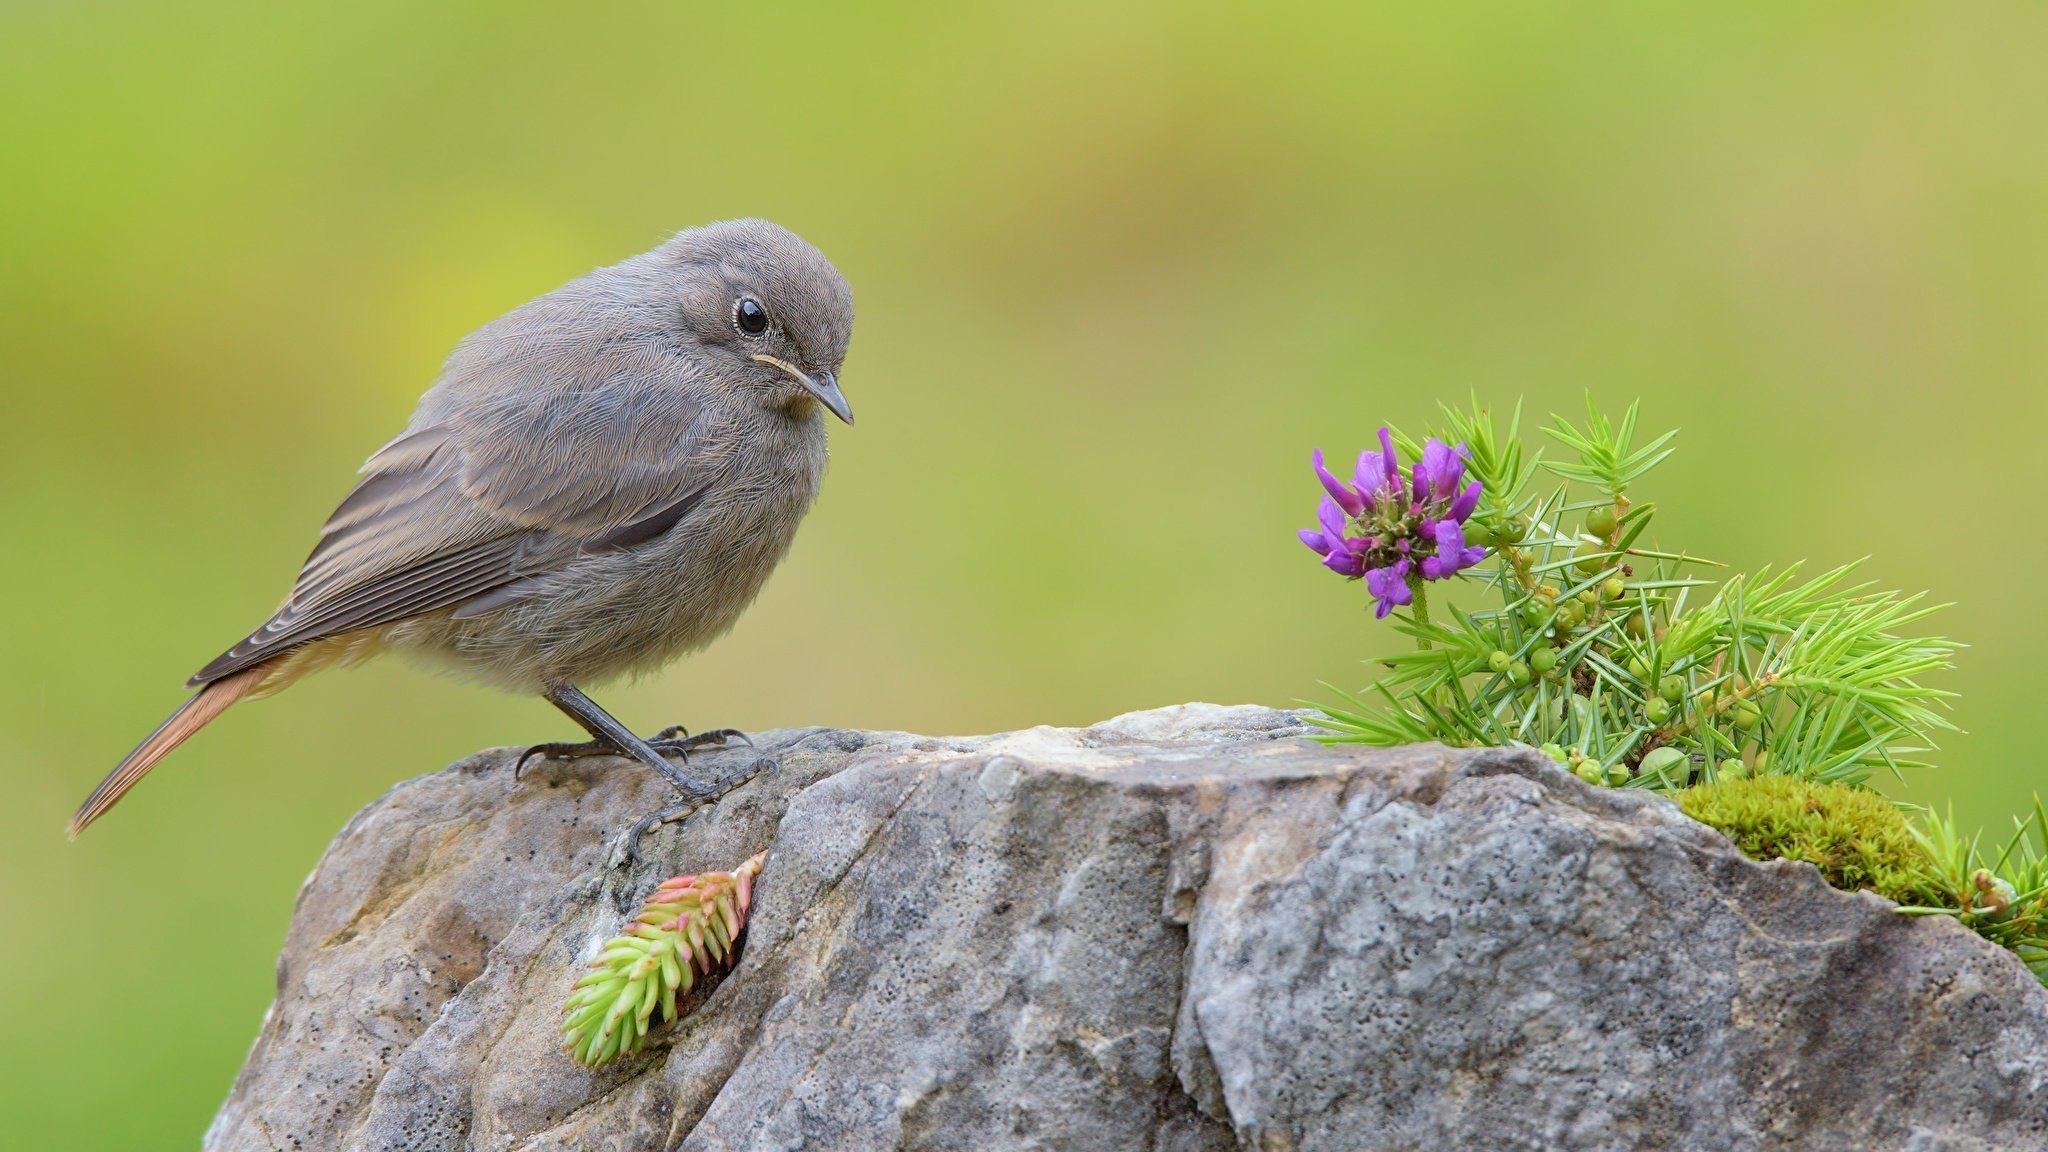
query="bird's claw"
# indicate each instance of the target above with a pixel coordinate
(623, 857)
(624, 852)
(559, 750)
(674, 740)
(668, 741)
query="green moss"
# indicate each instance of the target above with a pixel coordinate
(1854, 836)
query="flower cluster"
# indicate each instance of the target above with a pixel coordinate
(1396, 534)
(689, 923)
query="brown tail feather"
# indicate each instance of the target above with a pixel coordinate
(199, 711)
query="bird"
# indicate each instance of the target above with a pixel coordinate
(597, 482)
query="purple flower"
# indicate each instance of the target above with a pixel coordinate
(1345, 562)
(1451, 553)
(1331, 518)
(1395, 533)
(1339, 554)
(1461, 508)
(1350, 501)
(1438, 472)
(1390, 585)
(1384, 462)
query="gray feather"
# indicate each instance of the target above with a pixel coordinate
(599, 479)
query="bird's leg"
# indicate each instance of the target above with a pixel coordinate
(664, 742)
(674, 740)
(609, 737)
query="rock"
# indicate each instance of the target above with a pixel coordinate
(1177, 930)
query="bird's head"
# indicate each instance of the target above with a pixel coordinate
(758, 296)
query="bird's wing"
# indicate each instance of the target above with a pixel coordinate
(456, 509)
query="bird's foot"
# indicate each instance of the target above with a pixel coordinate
(674, 740)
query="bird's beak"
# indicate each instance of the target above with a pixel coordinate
(824, 386)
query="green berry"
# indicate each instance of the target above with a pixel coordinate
(1556, 752)
(1637, 625)
(1617, 775)
(1672, 688)
(1498, 660)
(1747, 717)
(1589, 771)
(1657, 711)
(1994, 895)
(1732, 770)
(1518, 672)
(1591, 564)
(1763, 763)
(1570, 616)
(1615, 588)
(1535, 612)
(1589, 598)
(1543, 659)
(1637, 668)
(1600, 521)
(1665, 763)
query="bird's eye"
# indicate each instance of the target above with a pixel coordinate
(749, 317)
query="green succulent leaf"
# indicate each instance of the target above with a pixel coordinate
(686, 928)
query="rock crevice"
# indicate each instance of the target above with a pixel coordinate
(1177, 930)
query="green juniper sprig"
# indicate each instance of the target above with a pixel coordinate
(2005, 900)
(1616, 657)
(689, 924)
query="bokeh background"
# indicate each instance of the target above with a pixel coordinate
(1119, 266)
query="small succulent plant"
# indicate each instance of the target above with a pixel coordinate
(687, 927)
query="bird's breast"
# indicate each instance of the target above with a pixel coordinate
(634, 609)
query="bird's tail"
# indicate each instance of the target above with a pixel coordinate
(199, 711)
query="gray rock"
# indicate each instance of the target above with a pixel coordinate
(1177, 930)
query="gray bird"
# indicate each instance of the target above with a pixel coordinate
(599, 481)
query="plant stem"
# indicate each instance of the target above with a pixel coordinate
(1518, 562)
(1421, 607)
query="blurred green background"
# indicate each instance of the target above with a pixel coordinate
(1118, 268)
